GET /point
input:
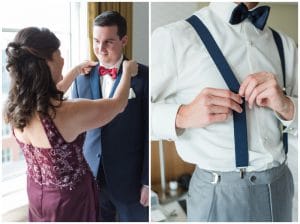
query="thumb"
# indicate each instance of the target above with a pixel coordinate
(92, 63)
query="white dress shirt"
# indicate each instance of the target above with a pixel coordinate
(107, 81)
(181, 68)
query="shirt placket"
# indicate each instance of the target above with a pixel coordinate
(253, 121)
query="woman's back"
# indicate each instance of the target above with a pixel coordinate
(62, 164)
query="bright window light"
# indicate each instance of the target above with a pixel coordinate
(54, 15)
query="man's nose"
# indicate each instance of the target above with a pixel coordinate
(101, 47)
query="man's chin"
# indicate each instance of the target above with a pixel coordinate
(103, 60)
(106, 63)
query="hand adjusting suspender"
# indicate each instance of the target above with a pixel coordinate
(239, 119)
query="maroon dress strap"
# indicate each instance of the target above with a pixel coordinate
(54, 136)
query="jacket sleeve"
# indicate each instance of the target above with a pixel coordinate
(74, 90)
(145, 172)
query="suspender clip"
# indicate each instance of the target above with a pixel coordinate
(242, 172)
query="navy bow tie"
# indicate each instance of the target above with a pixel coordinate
(258, 16)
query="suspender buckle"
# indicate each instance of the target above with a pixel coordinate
(216, 178)
(242, 172)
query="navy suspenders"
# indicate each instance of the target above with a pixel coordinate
(279, 45)
(239, 119)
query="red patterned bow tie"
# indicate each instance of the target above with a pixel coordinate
(105, 71)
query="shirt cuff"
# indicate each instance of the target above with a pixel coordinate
(163, 121)
(291, 125)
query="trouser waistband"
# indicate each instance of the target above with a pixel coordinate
(250, 178)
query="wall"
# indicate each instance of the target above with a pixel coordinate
(140, 40)
(284, 17)
(174, 165)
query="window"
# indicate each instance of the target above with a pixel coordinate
(6, 155)
(62, 18)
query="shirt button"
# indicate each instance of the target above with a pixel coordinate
(249, 43)
(253, 179)
(98, 155)
(265, 139)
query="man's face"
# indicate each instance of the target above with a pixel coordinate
(107, 44)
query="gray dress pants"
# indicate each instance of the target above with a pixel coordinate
(225, 196)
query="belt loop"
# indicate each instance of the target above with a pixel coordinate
(216, 178)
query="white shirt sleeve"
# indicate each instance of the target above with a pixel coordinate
(163, 85)
(291, 60)
(291, 125)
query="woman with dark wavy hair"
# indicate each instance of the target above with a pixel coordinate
(51, 130)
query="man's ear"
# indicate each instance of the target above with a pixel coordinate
(124, 40)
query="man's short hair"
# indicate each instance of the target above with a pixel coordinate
(112, 18)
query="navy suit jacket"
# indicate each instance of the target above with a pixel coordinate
(123, 143)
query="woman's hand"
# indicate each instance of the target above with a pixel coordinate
(130, 67)
(85, 67)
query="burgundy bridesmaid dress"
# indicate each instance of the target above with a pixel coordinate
(60, 185)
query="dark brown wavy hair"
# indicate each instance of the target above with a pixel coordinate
(32, 88)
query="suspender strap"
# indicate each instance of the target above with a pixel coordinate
(279, 45)
(239, 119)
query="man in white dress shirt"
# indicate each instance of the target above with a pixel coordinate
(191, 104)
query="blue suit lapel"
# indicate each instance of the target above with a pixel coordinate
(95, 83)
(116, 83)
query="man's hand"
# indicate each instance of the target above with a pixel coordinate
(210, 106)
(262, 88)
(144, 200)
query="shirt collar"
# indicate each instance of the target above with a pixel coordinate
(117, 65)
(223, 9)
